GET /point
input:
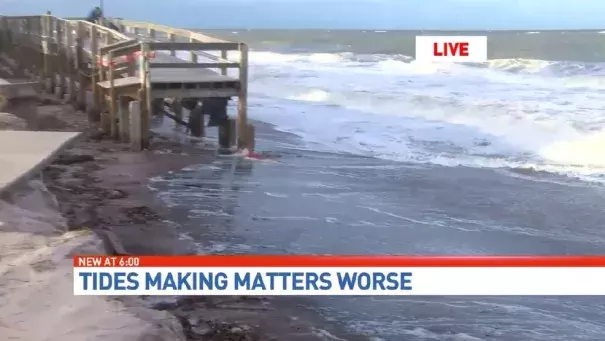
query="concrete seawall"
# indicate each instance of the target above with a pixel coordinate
(24, 153)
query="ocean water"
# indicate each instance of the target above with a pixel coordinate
(536, 104)
(372, 152)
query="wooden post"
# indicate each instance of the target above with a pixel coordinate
(172, 38)
(94, 49)
(71, 66)
(135, 126)
(59, 63)
(195, 124)
(53, 50)
(79, 63)
(26, 63)
(201, 126)
(105, 122)
(46, 42)
(193, 55)
(231, 126)
(124, 113)
(150, 108)
(113, 126)
(224, 55)
(243, 131)
(101, 59)
(131, 68)
(226, 135)
(177, 108)
(38, 54)
(145, 101)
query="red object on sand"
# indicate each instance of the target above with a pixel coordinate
(254, 155)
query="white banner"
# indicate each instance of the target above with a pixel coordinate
(252, 281)
(451, 49)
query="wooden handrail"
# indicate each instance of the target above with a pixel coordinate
(74, 51)
(204, 65)
(101, 29)
(121, 44)
(195, 46)
(170, 30)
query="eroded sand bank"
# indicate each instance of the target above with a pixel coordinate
(36, 297)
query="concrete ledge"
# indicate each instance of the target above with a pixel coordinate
(24, 153)
(15, 90)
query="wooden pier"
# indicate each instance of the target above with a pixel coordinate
(122, 77)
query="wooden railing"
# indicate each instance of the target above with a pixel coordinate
(181, 39)
(77, 40)
(95, 53)
(51, 34)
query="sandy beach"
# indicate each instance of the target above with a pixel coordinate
(94, 199)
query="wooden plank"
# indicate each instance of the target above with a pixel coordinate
(196, 46)
(171, 30)
(126, 50)
(116, 35)
(186, 75)
(193, 93)
(164, 76)
(211, 65)
(121, 82)
(118, 45)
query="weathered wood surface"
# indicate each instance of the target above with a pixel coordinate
(106, 66)
(173, 75)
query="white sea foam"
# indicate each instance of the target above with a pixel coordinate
(505, 113)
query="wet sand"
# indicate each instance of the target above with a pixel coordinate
(95, 198)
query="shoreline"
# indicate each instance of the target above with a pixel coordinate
(100, 186)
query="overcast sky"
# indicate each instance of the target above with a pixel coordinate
(379, 14)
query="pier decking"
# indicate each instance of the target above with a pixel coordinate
(121, 76)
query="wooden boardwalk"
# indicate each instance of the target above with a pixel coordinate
(120, 77)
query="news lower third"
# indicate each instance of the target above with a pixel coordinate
(337, 275)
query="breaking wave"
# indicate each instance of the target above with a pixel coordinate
(506, 113)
